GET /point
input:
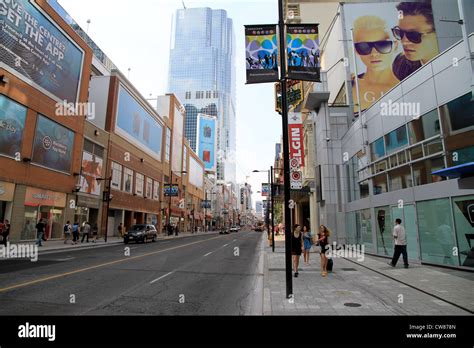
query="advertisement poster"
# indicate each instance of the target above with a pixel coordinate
(32, 46)
(207, 141)
(12, 123)
(261, 53)
(265, 189)
(303, 52)
(294, 94)
(177, 141)
(91, 170)
(53, 145)
(196, 173)
(171, 190)
(391, 41)
(135, 124)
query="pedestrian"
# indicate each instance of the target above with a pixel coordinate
(40, 227)
(75, 233)
(67, 231)
(95, 232)
(5, 232)
(86, 229)
(307, 241)
(400, 238)
(296, 247)
(120, 230)
(176, 230)
(323, 240)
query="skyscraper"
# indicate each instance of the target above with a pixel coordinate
(202, 75)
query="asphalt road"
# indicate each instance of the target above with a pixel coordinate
(208, 274)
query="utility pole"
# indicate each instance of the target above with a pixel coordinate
(286, 150)
(272, 201)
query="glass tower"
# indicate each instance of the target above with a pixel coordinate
(202, 76)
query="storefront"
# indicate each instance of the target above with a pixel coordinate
(87, 210)
(44, 204)
(6, 197)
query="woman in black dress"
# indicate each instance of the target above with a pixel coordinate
(296, 247)
(323, 241)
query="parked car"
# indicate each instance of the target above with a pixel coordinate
(234, 228)
(141, 233)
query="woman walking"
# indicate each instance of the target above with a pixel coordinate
(307, 242)
(323, 241)
(296, 247)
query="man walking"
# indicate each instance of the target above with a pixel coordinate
(40, 226)
(86, 229)
(399, 236)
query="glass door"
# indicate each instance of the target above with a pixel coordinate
(408, 216)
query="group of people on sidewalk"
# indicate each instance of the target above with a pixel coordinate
(302, 240)
(85, 229)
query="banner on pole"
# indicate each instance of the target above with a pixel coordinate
(294, 94)
(303, 52)
(265, 189)
(261, 53)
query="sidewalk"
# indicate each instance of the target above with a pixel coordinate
(58, 245)
(369, 287)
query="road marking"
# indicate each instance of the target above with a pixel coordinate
(66, 259)
(234, 240)
(167, 274)
(208, 254)
(165, 242)
(225, 245)
(36, 281)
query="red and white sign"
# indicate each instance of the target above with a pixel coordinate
(295, 129)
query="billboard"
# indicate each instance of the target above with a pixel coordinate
(390, 41)
(303, 52)
(53, 145)
(91, 170)
(12, 123)
(138, 126)
(206, 142)
(196, 173)
(177, 142)
(261, 53)
(32, 46)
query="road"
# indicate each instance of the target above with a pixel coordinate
(209, 274)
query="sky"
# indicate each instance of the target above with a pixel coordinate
(136, 35)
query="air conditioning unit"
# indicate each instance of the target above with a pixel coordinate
(293, 13)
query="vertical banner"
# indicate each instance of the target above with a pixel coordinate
(294, 94)
(295, 136)
(206, 142)
(265, 189)
(303, 52)
(261, 53)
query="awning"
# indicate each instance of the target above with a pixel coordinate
(459, 171)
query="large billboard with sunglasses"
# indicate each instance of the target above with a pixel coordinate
(391, 41)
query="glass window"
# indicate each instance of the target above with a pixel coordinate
(364, 228)
(459, 112)
(116, 176)
(393, 161)
(98, 151)
(422, 171)
(461, 156)
(149, 188)
(351, 232)
(127, 180)
(435, 229)
(379, 184)
(463, 208)
(400, 178)
(156, 190)
(433, 146)
(377, 149)
(416, 152)
(402, 157)
(364, 189)
(168, 144)
(381, 166)
(425, 127)
(139, 181)
(88, 146)
(384, 230)
(396, 139)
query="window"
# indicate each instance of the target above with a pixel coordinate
(364, 189)
(383, 226)
(198, 95)
(416, 152)
(400, 178)
(88, 146)
(380, 166)
(459, 112)
(433, 146)
(127, 180)
(377, 149)
(379, 184)
(116, 176)
(422, 171)
(156, 190)
(188, 95)
(364, 228)
(425, 127)
(168, 144)
(139, 181)
(149, 188)
(396, 139)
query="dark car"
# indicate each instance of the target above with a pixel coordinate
(141, 233)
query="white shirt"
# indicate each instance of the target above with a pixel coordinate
(399, 235)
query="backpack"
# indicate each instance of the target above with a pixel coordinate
(66, 229)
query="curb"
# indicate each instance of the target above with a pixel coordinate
(267, 298)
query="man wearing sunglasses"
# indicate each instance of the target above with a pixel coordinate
(376, 50)
(415, 31)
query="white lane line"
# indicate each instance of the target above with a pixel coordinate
(225, 245)
(167, 274)
(66, 259)
(208, 254)
(234, 240)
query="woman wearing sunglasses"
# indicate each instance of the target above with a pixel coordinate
(376, 50)
(415, 31)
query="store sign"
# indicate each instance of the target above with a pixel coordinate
(261, 53)
(38, 197)
(171, 190)
(35, 48)
(7, 190)
(295, 129)
(294, 94)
